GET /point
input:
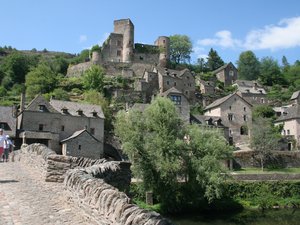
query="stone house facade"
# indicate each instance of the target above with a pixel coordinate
(50, 122)
(290, 120)
(235, 113)
(227, 74)
(252, 91)
(82, 144)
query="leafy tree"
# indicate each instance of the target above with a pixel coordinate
(96, 98)
(82, 57)
(40, 80)
(93, 78)
(214, 61)
(180, 48)
(248, 66)
(202, 65)
(285, 64)
(264, 111)
(264, 139)
(270, 72)
(17, 65)
(292, 74)
(154, 141)
(60, 94)
(96, 48)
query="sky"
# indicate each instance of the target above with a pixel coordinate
(269, 28)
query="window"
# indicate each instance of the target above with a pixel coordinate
(80, 112)
(244, 109)
(118, 43)
(79, 147)
(230, 117)
(245, 117)
(94, 114)
(42, 108)
(175, 84)
(64, 110)
(229, 107)
(288, 132)
(92, 131)
(41, 127)
(262, 100)
(141, 58)
(231, 73)
(176, 99)
(119, 53)
(62, 128)
(164, 41)
(168, 82)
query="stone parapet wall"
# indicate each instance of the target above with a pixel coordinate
(278, 159)
(104, 202)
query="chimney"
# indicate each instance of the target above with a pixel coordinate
(22, 103)
(255, 85)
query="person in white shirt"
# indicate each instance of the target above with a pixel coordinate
(8, 145)
(2, 140)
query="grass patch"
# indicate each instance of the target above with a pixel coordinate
(253, 170)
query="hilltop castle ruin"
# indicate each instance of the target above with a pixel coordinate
(119, 55)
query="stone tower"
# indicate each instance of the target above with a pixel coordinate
(125, 27)
(96, 57)
(163, 43)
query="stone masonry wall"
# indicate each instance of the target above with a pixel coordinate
(94, 185)
(104, 202)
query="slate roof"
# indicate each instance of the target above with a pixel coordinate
(246, 83)
(290, 113)
(223, 67)
(77, 134)
(74, 107)
(247, 86)
(252, 90)
(34, 105)
(202, 119)
(224, 99)
(6, 116)
(172, 90)
(295, 95)
(170, 72)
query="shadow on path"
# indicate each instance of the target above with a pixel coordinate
(8, 181)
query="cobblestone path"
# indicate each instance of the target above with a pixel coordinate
(25, 199)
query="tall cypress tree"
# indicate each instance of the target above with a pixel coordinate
(214, 61)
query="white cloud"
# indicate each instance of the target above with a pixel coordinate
(284, 35)
(82, 38)
(222, 38)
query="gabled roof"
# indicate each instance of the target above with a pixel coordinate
(170, 72)
(202, 119)
(39, 100)
(223, 67)
(172, 90)
(290, 113)
(77, 134)
(224, 99)
(74, 107)
(295, 95)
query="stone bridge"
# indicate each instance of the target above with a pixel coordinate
(39, 187)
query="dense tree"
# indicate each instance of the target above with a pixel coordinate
(180, 48)
(264, 111)
(214, 61)
(17, 65)
(162, 151)
(285, 64)
(40, 80)
(264, 139)
(248, 66)
(270, 72)
(93, 78)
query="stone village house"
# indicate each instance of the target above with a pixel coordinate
(52, 122)
(290, 119)
(235, 113)
(227, 74)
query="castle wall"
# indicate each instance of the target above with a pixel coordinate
(112, 48)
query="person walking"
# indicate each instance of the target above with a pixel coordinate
(8, 146)
(2, 140)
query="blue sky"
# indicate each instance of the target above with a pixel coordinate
(267, 27)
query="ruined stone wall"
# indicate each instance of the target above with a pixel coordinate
(104, 202)
(78, 70)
